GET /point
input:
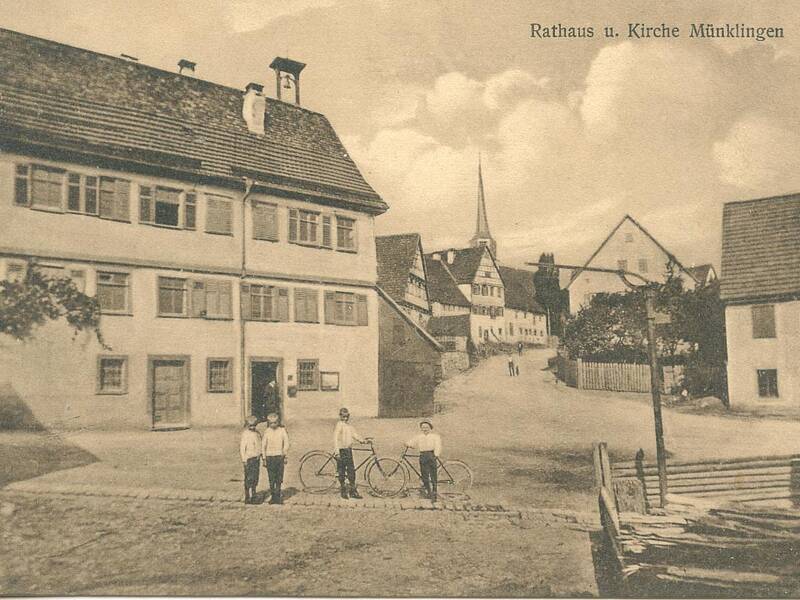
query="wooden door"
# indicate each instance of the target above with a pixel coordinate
(170, 394)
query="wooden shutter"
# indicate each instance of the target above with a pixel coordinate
(225, 290)
(219, 218)
(330, 307)
(146, 210)
(122, 200)
(190, 211)
(22, 186)
(198, 298)
(327, 236)
(265, 222)
(244, 297)
(361, 309)
(281, 299)
(300, 305)
(107, 195)
(312, 308)
(293, 217)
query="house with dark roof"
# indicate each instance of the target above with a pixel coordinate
(467, 280)
(526, 319)
(703, 274)
(401, 274)
(628, 247)
(760, 286)
(228, 237)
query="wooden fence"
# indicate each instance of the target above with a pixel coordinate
(615, 377)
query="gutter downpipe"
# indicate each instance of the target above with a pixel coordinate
(248, 189)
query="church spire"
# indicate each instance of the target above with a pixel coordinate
(482, 236)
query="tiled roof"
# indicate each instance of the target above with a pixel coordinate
(442, 287)
(465, 262)
(520, 292)
(395, 255)
(451, 325)
(761, 248)
(59, 97)
(701, 272)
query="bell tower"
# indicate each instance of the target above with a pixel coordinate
(482, 236)
(287, 76)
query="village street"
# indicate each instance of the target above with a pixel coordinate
(527, 439)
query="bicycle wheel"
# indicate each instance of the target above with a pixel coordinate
(318, 472)
(455, 477)
(386, 477)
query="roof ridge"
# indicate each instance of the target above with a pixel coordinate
(788, 196)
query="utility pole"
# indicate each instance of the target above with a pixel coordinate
(655, 390)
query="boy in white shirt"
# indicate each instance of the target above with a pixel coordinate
(429, 445)
(344, 435)
(274, 449)
(250, 450)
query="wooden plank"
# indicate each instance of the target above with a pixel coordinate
(608, 476)
(785, 479)
(720, 461)
(787, 470)
(598, 468)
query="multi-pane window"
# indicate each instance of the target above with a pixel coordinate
(172, 296)
(476, 289)
(767, 383)
(345, 308)
(220, 376)
(345, 233)
(47, 185)
(484, 290)
(264, 302)
(168, 207)
(763, 321)
(306, 305)
(219, 215)
(308, 374)
(113, 292)
(643, 265)
(112, 375)
(265, 221)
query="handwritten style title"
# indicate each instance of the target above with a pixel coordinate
(641, 31)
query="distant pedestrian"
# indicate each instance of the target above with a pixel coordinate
(250, 450)
(344, 435)
(511, 369)
(429, 445)
(274, 449)
(519, 348)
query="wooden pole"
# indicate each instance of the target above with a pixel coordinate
(655, 390)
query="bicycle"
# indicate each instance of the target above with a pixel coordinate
(454, 477)
(319, 472)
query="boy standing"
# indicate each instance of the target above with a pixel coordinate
(250, 449)
(344, 435)
(429, 445)
(275, 448)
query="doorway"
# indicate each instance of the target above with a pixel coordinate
(169, 392)
(265, 389)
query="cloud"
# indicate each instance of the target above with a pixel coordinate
(250, 15)
(759, 154)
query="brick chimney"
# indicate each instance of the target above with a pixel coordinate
(254, 107)
(186, 67)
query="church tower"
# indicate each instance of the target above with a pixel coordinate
(482, 236)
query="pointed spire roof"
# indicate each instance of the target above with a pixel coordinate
(482, 235)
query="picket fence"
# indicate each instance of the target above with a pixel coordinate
(614, 377)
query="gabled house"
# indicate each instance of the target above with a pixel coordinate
(703, 274)
(401, 274)
(526, 319)
(228, 237)
(629, 247)
(476, 276)
(760, 286)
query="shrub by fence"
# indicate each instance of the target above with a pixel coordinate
(615, 377)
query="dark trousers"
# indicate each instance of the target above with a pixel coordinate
(346, 467)
(427, 467)
(511, 368)
(251, 468)
(275, 473)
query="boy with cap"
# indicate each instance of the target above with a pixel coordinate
(250, 450)
(344, 435)
(429, 445)
(274, 449)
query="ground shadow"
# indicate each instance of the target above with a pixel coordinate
(27, 448)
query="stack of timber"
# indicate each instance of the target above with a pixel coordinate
(697, 549)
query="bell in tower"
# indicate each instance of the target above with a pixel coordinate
(287, 76)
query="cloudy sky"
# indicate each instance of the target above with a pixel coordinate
(573, 133)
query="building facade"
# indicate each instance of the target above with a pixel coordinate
(760, 285)
(401, 274)
(526, 320)
(227, 237)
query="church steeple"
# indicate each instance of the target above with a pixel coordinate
(482, 236)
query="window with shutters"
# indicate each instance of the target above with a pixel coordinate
(113, 292)
(114, 199)
(345, 308)
(767, 383)
(304, 227)
(306, 302)
(112, 374)
(173, 298)
(220, 374)
(47, 188)
(307, 374)
(167, 207)
(219, 215)
(82, 193)
(217, 299)
(763, 321)
(265, 221)
(345, 233)
(476, 289)
(264, 302)
(327, 233)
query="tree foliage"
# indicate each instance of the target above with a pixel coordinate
(36, 299)
(548, 291)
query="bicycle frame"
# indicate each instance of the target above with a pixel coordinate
(440, 468)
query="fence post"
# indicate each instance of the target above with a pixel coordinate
(579, 376)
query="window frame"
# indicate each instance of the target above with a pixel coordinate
(229, 387)
(229, 201)
(124, 376)
(353, 233)
(768, 384)
(186, 297)
(263, 204)
(315, 384)
(128, 310)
